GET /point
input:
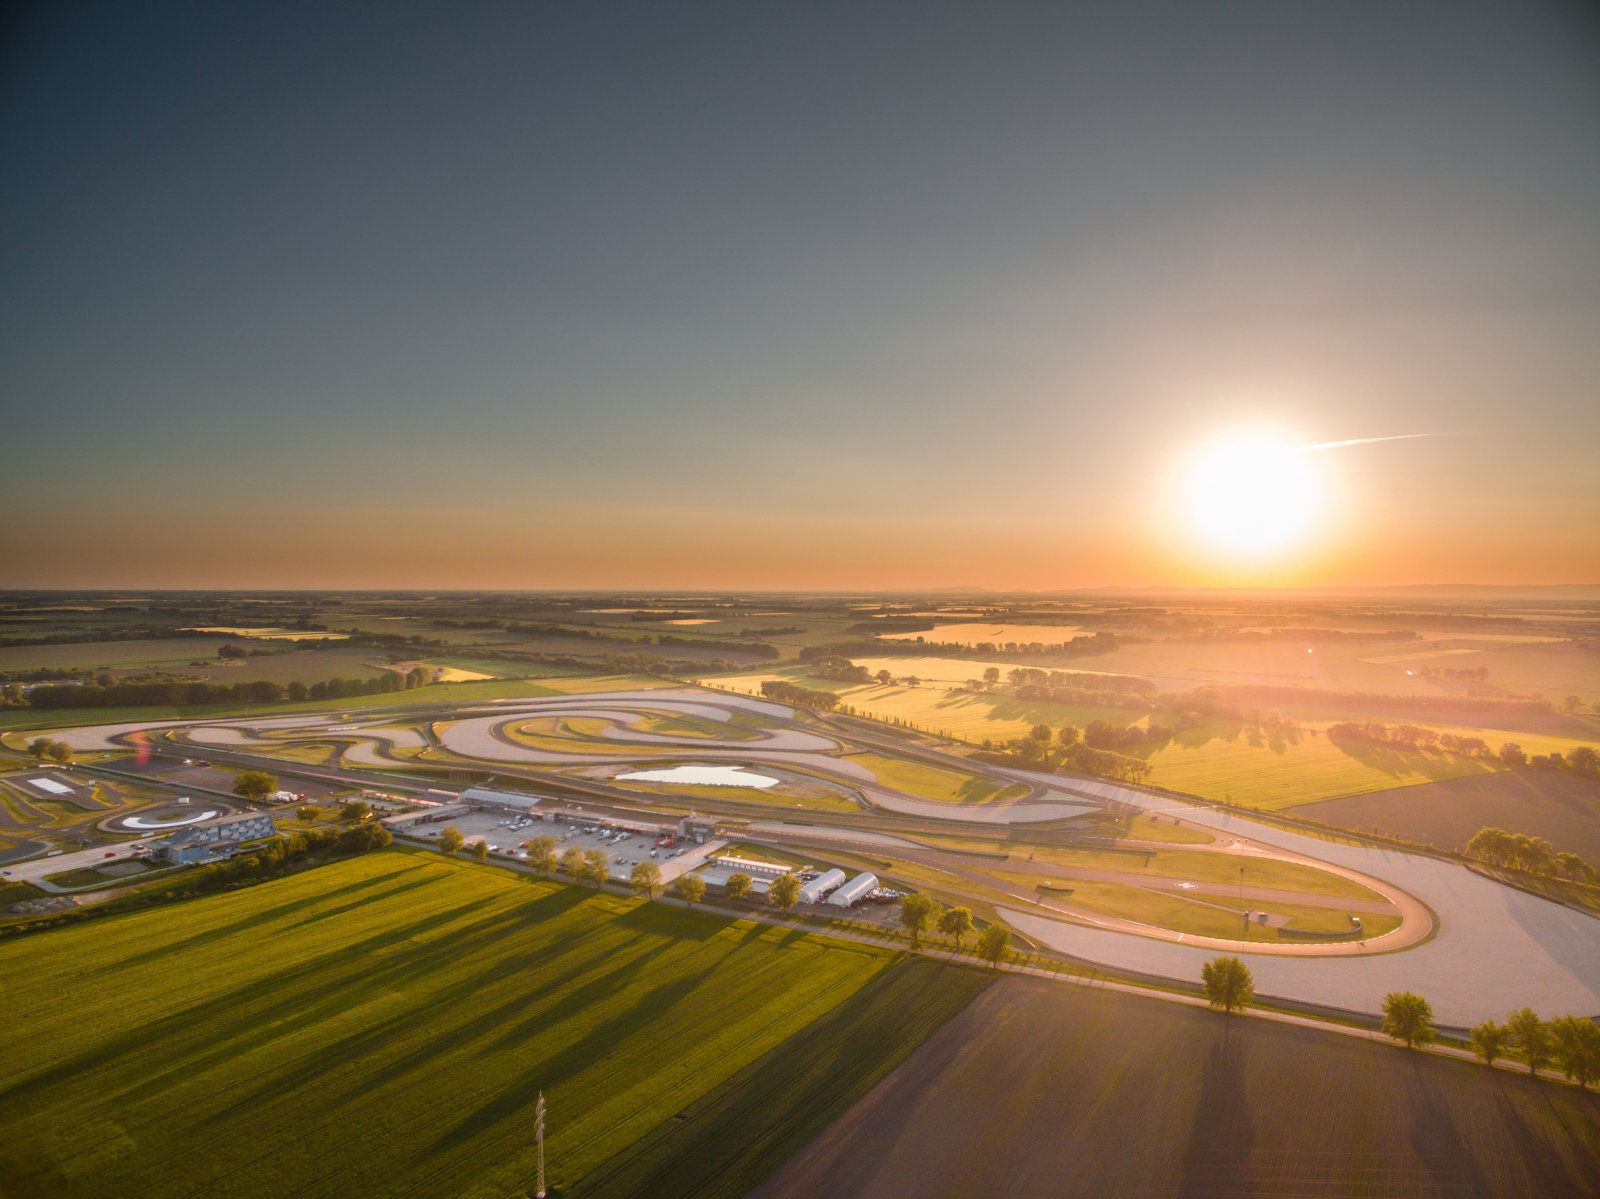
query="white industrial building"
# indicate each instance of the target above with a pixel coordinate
(754, 867)
(853, 891)
(818, 887)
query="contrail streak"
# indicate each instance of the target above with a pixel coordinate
(1339, 445)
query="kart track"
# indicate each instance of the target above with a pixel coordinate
(1474, 947)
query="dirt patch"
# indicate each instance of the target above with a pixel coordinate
(1564, 809)
(1039, 1089)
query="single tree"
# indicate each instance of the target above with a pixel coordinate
(1575, 1045)
(451, 839)
(352, 810)
(885, 678)
(1407, 1017)
(594, 866)
(691, 886)
(957, 923)
(784, 892)
(1228, 983)
(646, 877)
(1513, 754)
(1529, 1034)
(39, 746)
(60, 751)
(542, 854)
(254, 785)
(737, 886)
(915, 912)
(1068, 735)
(993, 943)
(308, 812)
(1489, 1041)
(572, 863)
(992, 675)
(480, 850)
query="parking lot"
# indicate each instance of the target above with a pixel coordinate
(507, 836)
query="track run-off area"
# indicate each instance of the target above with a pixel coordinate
(1477, 949)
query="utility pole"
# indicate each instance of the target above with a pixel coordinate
(1241, 902)
(538, 1132)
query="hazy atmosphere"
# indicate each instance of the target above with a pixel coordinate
(818, 296)
(778, 601)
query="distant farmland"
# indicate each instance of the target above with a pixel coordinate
(1037, 1090)
(1562, 808)
(1216, 759)
(384, 1026)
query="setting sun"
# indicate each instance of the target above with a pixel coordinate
(1252, 494)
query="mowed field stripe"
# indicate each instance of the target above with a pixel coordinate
(384, 1023)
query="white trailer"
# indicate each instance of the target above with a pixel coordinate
(857, 888)
(820, 886)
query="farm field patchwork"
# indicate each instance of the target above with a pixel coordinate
(1217, 759)
(389, 1021)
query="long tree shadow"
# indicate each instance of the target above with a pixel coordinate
(1221, 1135)
(167, 1038)
(254, 920)
(316, 994)
(579, 1056)
(358, 1046)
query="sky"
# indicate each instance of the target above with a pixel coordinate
(793, 296)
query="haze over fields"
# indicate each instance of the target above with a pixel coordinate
(717, 600)
(833, 296)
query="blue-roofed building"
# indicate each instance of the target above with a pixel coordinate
(213, 840)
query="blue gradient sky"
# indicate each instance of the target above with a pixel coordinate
(791, 296)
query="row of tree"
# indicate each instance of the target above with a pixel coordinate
(918, 911)
(1534, 854)
(1066, 750)
(804, 697)
(1572, 1043)
(1409, 737)
(176, 693)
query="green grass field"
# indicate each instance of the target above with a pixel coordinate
(1205, 915)
(932, 782)
(384, 1026)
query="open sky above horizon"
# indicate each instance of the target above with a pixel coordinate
(803, 296)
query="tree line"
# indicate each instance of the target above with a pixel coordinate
(1066, 750)
(789, 693)
(1572, 1043)
(756, 649)
(176, 693)
(1533, 854)
(1409, 737)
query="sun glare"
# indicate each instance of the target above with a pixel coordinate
(1251, 495)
